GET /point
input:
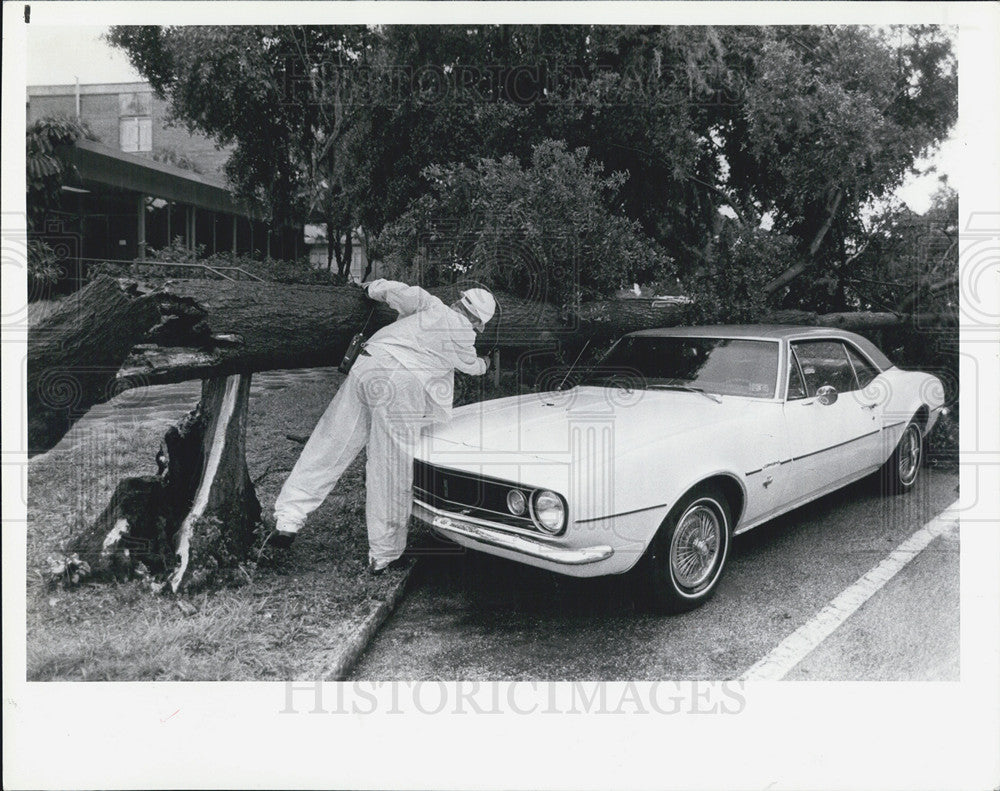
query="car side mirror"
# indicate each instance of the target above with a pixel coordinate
(827, 395)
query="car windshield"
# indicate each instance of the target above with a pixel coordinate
(723, 366)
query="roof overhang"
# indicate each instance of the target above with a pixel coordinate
(104, 165)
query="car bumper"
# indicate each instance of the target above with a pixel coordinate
(480, 534)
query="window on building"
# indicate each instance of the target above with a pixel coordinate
(135, 122)
(136, 134)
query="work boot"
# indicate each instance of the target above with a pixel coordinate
(377, 567)
(279, 539)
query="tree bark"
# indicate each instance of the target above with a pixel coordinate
(348, 252)
(75, 353)
(329, 246)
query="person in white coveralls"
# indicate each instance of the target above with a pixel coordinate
(401, 381)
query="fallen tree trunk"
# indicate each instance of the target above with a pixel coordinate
(860, 321)
(114, 336)
(111, 337)
(264, 326)
(75, 353)
(198, 513)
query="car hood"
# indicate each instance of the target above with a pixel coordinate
(565, 426)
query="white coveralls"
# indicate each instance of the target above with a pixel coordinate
(405, 382)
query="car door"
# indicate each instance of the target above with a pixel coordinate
(829, 443)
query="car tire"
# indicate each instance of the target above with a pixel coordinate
(686, 558)
(900, 473)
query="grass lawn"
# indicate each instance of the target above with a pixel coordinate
(278, 621)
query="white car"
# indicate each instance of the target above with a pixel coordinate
(677, 440)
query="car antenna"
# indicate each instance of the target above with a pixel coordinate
(574, 364)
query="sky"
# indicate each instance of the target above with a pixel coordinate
(61, 55)
(58, 56)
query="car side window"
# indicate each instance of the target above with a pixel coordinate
(796, 387)
(865, 370)
(825, 363)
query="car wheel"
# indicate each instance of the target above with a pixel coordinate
(900, 472)
(689, 551)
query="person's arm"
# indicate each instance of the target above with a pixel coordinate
(467, 362)
(400, 297)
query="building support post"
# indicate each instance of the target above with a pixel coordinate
(141, 228)
(170, 229)
(235, 220)
(215, 225)
(194, 229)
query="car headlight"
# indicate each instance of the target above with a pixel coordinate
(550, 513)
(517, 503)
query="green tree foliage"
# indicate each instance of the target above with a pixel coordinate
(729, 287)
(542, 231)
(832, 119)
(47, 169)
(908, 261)
(799, 127)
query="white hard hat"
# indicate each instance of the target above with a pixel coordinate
(480, 303)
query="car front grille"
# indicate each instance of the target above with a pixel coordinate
(468, 494)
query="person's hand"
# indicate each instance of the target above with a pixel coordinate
(486, 361)
(363, 287)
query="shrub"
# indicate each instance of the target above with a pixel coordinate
(43, 269)
(550, 230)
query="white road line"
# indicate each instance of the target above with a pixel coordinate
(794, 648)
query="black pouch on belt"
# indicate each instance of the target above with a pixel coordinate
(353, 350)
(355, 347)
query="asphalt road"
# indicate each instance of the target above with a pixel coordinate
(470, 616)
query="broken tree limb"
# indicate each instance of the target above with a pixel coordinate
(798, 268)
(928, 289)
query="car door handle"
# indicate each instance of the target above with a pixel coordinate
(868, 406)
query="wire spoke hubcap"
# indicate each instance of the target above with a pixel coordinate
(695, 546)
(909, 455)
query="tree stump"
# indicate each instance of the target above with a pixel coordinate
(199, 512)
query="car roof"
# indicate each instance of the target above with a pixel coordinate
(770, 332)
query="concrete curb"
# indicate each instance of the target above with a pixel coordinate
(341, 666)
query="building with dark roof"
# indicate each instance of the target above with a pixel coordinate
(144, 183)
